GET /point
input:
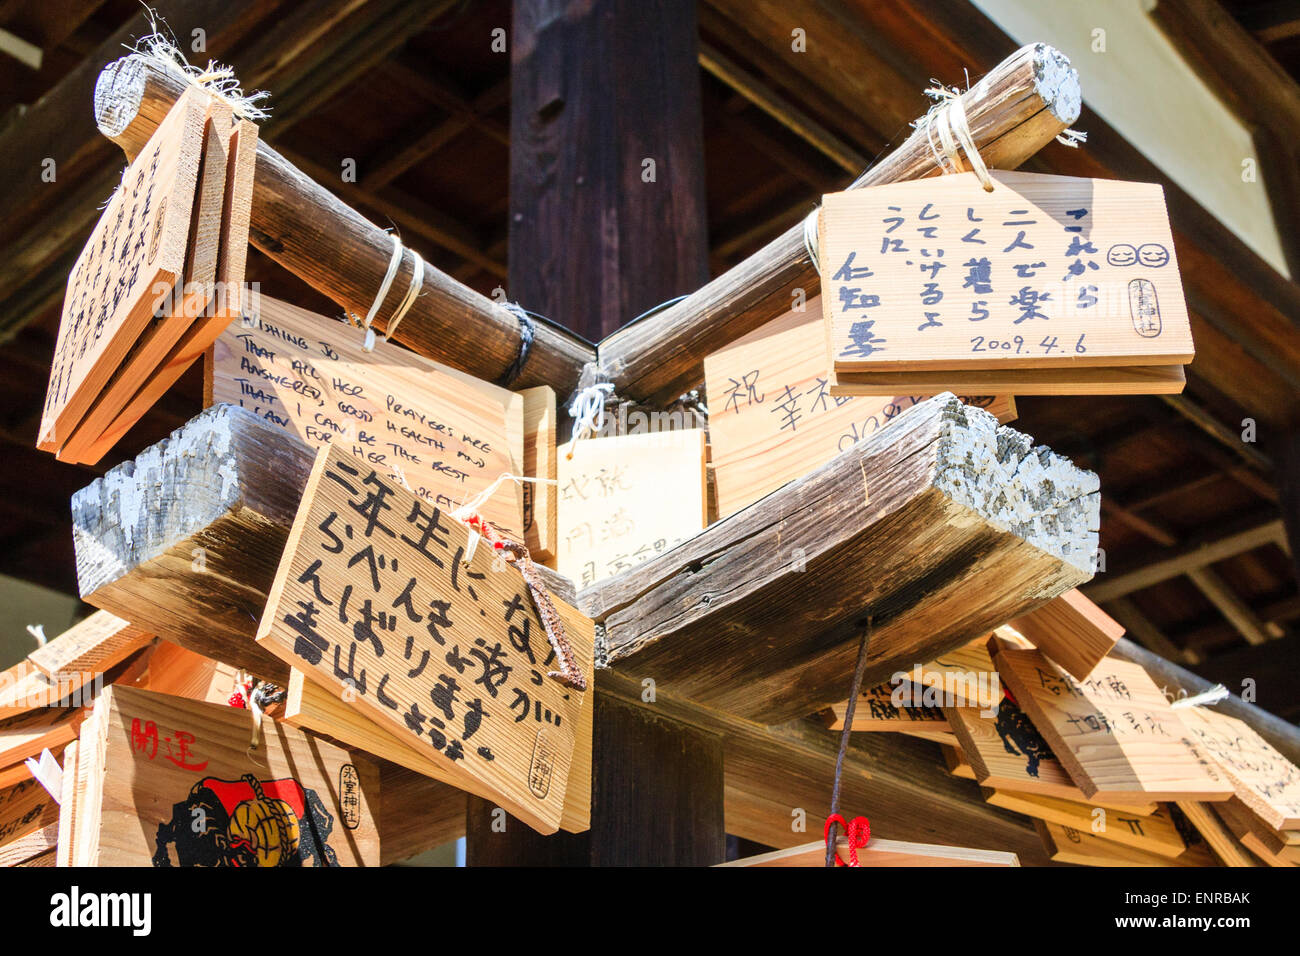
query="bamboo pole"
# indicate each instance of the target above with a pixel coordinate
(337, 251)
(1014, 111)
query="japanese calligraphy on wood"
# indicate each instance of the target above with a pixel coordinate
(223, 305)
(172, 782)
(1007, 752)
(377, 596)
(311, 706)
(190, 296)
(1264, 780)
(772, 417)
(627, 499)
(129, 266)
(1044, 270)
(441, 433)
(877, 711)
(25, 808)
(1114, 732)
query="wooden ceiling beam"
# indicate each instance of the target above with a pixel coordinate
(379, 28)
(464, 114)
(781, 109)
(1188, 558)
(1271, 21)
(1145, 632)
(1219, 593)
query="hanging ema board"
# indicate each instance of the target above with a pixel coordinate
(1022, 288)
(385, 599)
(437, 432)
(1006, 752)
(1071, 630)
(627, 499)
(167, 781)
(1265, 781)
(772, 417)
(127, 270)
(213, 294)
(1115, 733)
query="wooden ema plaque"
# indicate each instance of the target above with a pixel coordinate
(1007, 752)
(1044, 272)
(1065, 844)
(627, 499)
(1071, 630)
(377, 598)
(1115, 733)
(772, 417)
(1264, 780)
(964, 677)
(1154, 832)
(128, 268)
(173, 782)
(189, 297)
(230, 155)
(24, 808)
(310, 706)
(438, 432)
(877, 711)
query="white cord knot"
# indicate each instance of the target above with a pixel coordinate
(588, 409)
(946, 121)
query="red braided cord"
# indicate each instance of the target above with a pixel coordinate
(858, 834)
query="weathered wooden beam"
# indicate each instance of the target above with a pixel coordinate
(936, 530)
(312, 233)
(1192, 556)
(229, 483)
(1015, 110)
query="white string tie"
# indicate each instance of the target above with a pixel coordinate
(1212, 696)
(947, 120)
(588, 411)
(412, 293)
(394, 262)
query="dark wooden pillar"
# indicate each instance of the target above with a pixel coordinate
(605, 95)
(607, 220)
